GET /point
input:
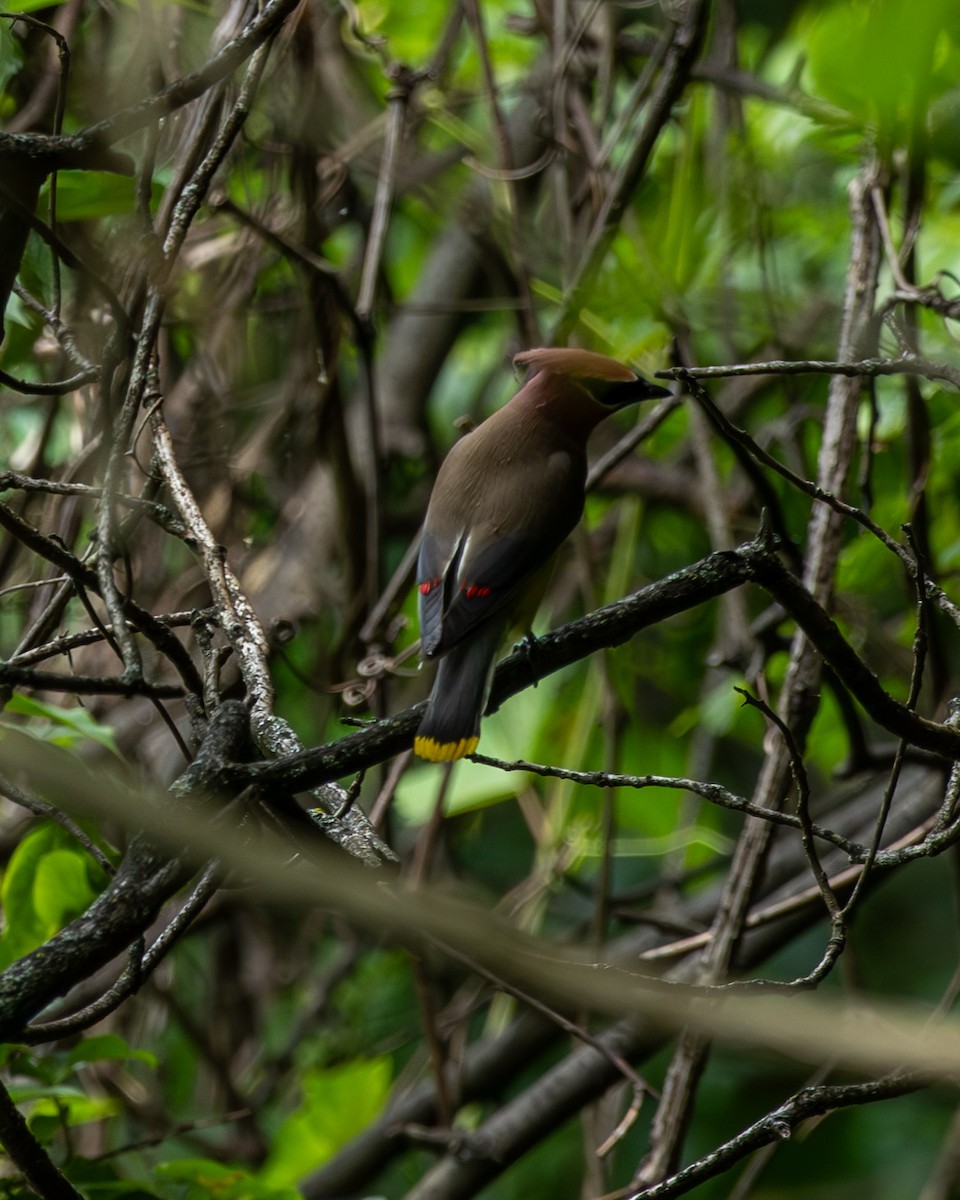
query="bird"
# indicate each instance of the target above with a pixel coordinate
(506, 497)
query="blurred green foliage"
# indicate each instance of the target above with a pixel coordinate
(734, 246)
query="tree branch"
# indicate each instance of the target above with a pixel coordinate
(145, 880)
(611, 626)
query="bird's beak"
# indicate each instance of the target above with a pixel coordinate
(618, 395)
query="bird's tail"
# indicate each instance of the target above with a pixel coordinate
(450, 727)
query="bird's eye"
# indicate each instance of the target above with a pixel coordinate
(612, 393)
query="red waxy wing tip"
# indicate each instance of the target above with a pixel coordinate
(582, 363)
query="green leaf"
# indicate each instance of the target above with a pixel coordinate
(61, 887)
(337, 1104)
(108, 1047)
(71, 725)
(89, 195)
(53, 1107)
(32, 5)
(883, 60)
(48, 882)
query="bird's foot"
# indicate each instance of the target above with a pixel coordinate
(529, 648)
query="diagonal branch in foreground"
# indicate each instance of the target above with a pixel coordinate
(145, 880)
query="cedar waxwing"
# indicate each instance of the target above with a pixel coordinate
(506, 497)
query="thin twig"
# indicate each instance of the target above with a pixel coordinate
(838, 926)
(137, 972)
(521, 272)
(36, 387)
(578, 1031)
(713, 792)
(774, 1127)
(865, 368)
(684, 45)
(82, 576)
(916, 681)
(226, 60)
(40, 808)
(87, 685)
(818, 492)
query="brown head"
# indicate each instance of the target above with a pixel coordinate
(578, 388)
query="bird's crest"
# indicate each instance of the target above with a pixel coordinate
(582, 364)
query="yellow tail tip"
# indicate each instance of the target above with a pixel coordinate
(430, 748)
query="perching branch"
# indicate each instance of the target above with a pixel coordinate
(612, 625)
(867, 368)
